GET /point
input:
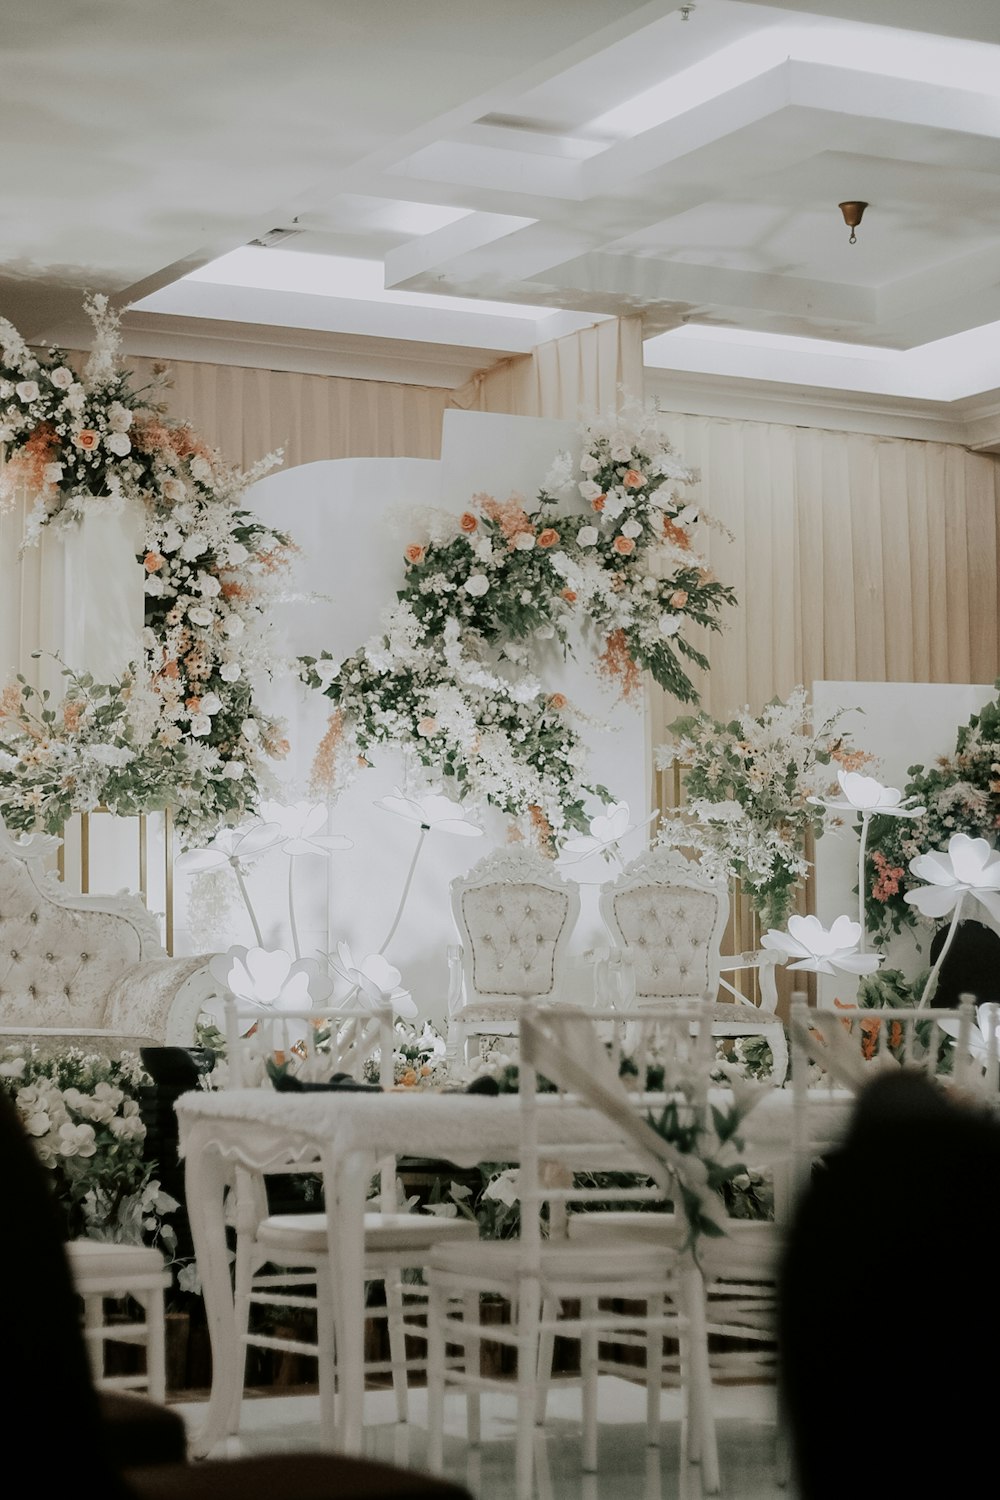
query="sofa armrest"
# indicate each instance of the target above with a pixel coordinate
(162, 998)
(93, 1041)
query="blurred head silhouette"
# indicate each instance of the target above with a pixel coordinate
(886, 1306)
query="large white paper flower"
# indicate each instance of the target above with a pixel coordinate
(377, 980)
(231, 846)
(269, 979)
(820, 951)
(864, 794)
(300, 824)
(979, 1031)
(967, 867)
(606, 829)
(432, 810)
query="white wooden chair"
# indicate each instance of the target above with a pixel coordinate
(282, 1259)
(515, 915)
(110, 1277)
(541, 1271)
(668, 916)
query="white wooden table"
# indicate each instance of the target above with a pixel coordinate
(343, 1136)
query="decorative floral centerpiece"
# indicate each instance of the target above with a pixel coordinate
(748, 786)
(82, 1114)
(451, 674)
(79, 444)
(960, 793)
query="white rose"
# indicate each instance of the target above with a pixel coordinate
(615, 503)
(52, 473)
(230, 671)
(171, 538)
(587, 536)
(621, 452)
(234, 770)
(476, 585)
(210, 703)
(201, 724)
(119, 417)
(201, 469)
(194, 546)
(118, 443)
(589, 490)
(75, 397)
(27, 390)
(199, 616)
(208, 586)
(524, 541)
(232, 625)
(670, 624)
(61, 378)
(250, 729)
(174, 490)
(484, 550)
(236, 554)
(589, 464)
(632, 528)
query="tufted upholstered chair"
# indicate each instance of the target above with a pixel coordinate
(87, 971)
(515, 914)
(668, 916)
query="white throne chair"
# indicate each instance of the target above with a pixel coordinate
(87, 971)
(667, 916)
(515, 915)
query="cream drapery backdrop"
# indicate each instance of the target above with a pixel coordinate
(853, 557)
(578, 375)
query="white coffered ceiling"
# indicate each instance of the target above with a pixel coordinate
(414, 189)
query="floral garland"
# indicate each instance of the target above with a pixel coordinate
(747, 786)
(961, 794)
(181, 728)
(450, 673)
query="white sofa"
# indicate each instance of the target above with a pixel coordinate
(87, 971)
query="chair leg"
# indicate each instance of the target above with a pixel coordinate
(654, 1373)
(156, 1346)
(397, 1340)
(472, 1366)
(326, 1358)
(437, 1304)
(528, 1314)
(93, 1323)
(546, 1353)
(702, 1441)
(588, 1377)
(234, 1379)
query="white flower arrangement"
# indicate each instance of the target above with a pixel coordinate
(449, 673)
(212, 571)
(82, 1114)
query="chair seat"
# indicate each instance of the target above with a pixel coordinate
(306, 1234)
(503, 1261)
(750, 1247)
(96, 1263)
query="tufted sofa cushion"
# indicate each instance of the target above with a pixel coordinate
(513, 932)
(669, 933)
(56, 965)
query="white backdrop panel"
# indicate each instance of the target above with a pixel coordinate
(903, 724)
(348, 569)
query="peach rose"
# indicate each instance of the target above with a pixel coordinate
(623, 545)
(548, 537)
(152, 562)
(170, 669)
(427, 726)
(705, 575)
(557, 701)
(87, 439)
(679, 598)
(569, 595)
(632, 479)
(415, 553)
(467, 521)
(194, 704)
(598, 503)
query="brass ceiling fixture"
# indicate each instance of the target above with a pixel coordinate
(853, 213)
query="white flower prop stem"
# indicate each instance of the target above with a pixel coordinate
(867, 797)
(301, 824)
(968, 867)
(806, 944)
(230, 847)
(429, 811)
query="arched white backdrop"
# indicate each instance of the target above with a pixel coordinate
(344, 517)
